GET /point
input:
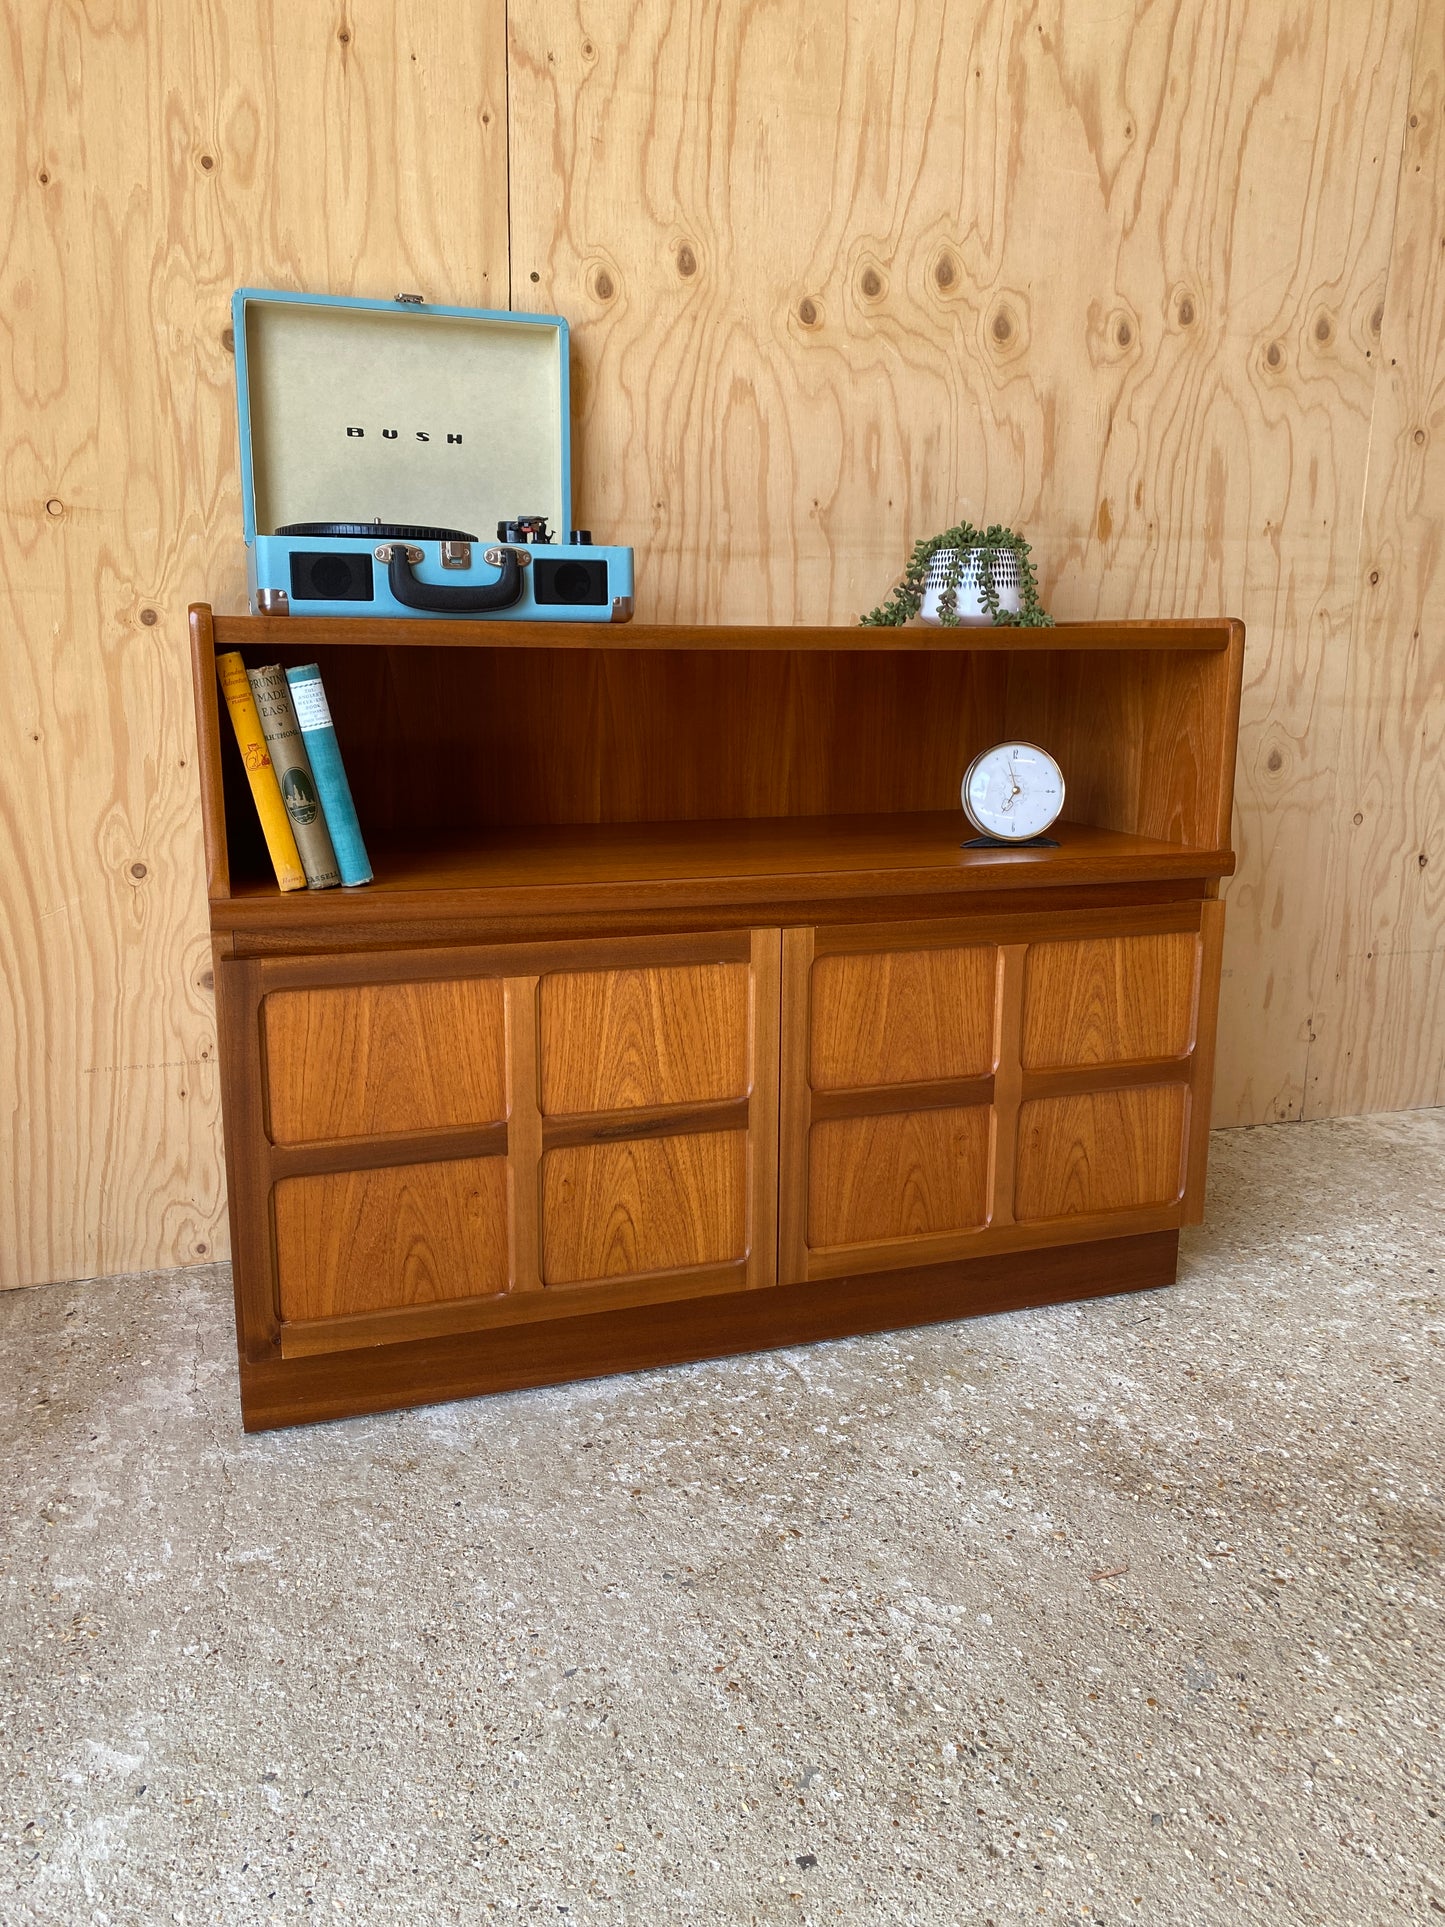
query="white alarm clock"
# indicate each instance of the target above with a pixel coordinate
(1013, 791)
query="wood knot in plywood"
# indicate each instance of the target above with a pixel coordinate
(1113, 333)
(1006, 328)
(872, 282)
(809, 313)
(686, 260)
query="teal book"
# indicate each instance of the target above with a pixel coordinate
(319, 736)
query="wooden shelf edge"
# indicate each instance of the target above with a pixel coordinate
(1211, 634)
(300, 910)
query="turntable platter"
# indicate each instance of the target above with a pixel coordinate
(375, 532)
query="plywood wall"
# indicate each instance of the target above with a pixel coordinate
(1160, 284)
(1380, 1022)
(157, 155)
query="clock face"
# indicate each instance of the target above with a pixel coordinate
(1013, 791)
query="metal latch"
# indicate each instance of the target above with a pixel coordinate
(383, 554)
(456, 555)
(412, 300)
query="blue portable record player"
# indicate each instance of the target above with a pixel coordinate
(378, 437)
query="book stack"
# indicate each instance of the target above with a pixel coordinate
(288, 745)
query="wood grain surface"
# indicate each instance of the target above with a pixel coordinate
(373, 1058)
(907, 1175)
(1377, 1037)
(409, 1234)
(160, 155)
(634, 868)
(654, 1204)
(1104, 1151)
(902, 1017)
(1116, 275)
(1119, 1024)
(1160, 284)
(1109, 1000)
(620, 1039)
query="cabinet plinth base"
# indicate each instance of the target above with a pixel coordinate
(508, 1358)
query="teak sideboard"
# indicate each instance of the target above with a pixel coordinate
(678, 1021)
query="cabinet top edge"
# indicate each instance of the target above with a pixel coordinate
(1201, 635)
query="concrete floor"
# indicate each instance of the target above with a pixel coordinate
(1124, 1612)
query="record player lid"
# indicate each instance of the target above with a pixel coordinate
(355, 410)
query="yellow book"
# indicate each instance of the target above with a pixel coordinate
(251, 741)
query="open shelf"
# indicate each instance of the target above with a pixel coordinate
(505, 771)
(507, 872)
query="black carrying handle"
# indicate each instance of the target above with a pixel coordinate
(442, 599)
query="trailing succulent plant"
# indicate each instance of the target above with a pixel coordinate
(907, 597)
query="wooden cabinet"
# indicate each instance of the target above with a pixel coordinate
(705, 1030)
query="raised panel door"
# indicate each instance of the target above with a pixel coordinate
(443, 1140)
(993, 1083)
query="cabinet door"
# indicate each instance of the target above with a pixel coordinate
(950, 1090)
(432, 1141)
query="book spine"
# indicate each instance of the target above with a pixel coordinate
(265, 790)
(293, 773)
(313, 713)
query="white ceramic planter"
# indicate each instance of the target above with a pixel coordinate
(969, 593)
